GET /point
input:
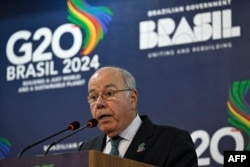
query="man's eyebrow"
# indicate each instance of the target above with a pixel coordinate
(105, 87)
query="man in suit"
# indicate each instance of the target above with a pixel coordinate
(113, 101)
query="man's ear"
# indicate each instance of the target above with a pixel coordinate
(133, 97)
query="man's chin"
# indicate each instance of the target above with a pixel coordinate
(107, 129)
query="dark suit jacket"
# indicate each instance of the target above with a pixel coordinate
(157, 145)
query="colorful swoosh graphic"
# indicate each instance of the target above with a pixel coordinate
(93, 20)
(238, 107)
(4, 147)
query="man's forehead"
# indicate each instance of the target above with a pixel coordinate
(106, 78)
(106, 73)
(95, 75)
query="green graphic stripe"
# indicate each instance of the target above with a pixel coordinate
(5, 141)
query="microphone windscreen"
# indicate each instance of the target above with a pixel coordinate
(74, 125)
(92, 123)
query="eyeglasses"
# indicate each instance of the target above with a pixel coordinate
(106, 95)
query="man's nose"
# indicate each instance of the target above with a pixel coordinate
(100, 103)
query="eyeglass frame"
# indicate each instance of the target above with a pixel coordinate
(105, 97)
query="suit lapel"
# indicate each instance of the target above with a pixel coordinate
(141, 143)
(99, 143)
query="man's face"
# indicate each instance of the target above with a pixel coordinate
(113, 115)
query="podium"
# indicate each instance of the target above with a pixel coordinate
(77, 159)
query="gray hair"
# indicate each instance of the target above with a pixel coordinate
(128, 77)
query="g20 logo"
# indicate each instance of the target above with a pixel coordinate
(42, 55)
(211, 144)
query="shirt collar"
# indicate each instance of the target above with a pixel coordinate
(130, 131)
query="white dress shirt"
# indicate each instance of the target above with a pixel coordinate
(127, 136)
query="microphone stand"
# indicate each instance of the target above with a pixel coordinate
(32, 145)
(57, 141)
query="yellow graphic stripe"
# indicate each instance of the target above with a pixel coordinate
(244, 120)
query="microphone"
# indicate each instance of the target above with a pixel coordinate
(90, 124)
(72, 126)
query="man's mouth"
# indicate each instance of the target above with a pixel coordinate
(103, 116)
